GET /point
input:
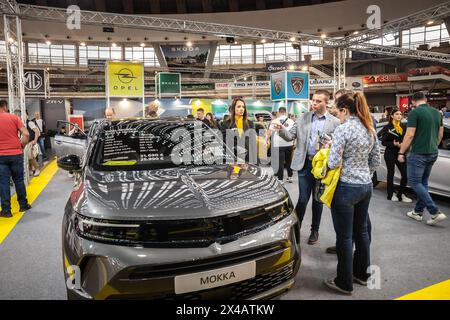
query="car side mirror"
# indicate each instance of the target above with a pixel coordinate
(69, 162)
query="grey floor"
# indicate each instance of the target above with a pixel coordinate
(410, 255)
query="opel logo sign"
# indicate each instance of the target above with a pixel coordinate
(33, 80)
(125, 75)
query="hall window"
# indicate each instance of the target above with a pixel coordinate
(143, 54)
(315, 52)
(431, 35)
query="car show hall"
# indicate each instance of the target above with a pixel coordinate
(180, 151)
(407, 254)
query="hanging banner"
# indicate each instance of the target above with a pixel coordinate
(125, 79)
(385, 78)
(289, 85)
(354, 84)
(322, 83)
(284, 66)
(297, 85)
(168, 84)
(242, 85)
(34, 81)
(278, 86)
(186, 56)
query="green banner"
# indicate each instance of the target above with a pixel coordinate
(169, 84)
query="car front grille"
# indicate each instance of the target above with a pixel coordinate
(174, 269)
(237, 291)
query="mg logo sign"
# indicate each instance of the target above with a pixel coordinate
(34, 81)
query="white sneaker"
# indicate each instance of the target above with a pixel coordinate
(289, 179)
(436, 219)
(36, 173)
(415, 215)
(394, 198)
(405, 199)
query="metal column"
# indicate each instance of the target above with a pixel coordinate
(14, 65)
(339, 56)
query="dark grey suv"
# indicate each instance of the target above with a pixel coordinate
(157, 213)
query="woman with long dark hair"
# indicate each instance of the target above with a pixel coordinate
(392, 138)
(212, 121)
(355, 148)
(238, 124)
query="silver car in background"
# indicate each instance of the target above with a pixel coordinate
(439, 182)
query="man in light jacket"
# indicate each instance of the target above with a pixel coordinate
(307, 130)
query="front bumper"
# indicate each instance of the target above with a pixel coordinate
(118, 272)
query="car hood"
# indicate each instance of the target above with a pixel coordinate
(198, 192)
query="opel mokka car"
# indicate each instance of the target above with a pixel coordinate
(159, 211)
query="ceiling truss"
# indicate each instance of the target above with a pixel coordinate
(420, 18)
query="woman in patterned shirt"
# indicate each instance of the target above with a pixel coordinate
(355, 147)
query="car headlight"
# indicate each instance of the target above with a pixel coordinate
(280, 210)
(102, 230)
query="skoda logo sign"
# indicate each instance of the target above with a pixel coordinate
(33, 80)
(125, 75)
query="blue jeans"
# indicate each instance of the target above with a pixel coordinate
(41, 146)
(419, 170)
(306, 183)
(12, 166)
(350, 212)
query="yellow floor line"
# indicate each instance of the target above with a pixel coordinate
(35, 187)
(440, 291)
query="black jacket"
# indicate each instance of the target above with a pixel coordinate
(226, 125)
(250, 147)
(389, 135)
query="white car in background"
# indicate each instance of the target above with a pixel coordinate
(439, 182)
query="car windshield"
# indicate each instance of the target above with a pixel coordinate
(149, 145)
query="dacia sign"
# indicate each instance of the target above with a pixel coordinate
(34, 81)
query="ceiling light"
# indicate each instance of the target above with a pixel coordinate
(356, 32)
(48, 42)
(189, 44)
(305, 68)
(291, 67)
(11, 40)
(323, 35)
(83, 44)
(263, 40)
(430, 22)
(292, 39)
(142, 44)
(113, 44)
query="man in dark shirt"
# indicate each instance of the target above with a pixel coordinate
(424, 134)
(201, 117)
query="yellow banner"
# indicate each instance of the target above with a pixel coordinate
(125, 79)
